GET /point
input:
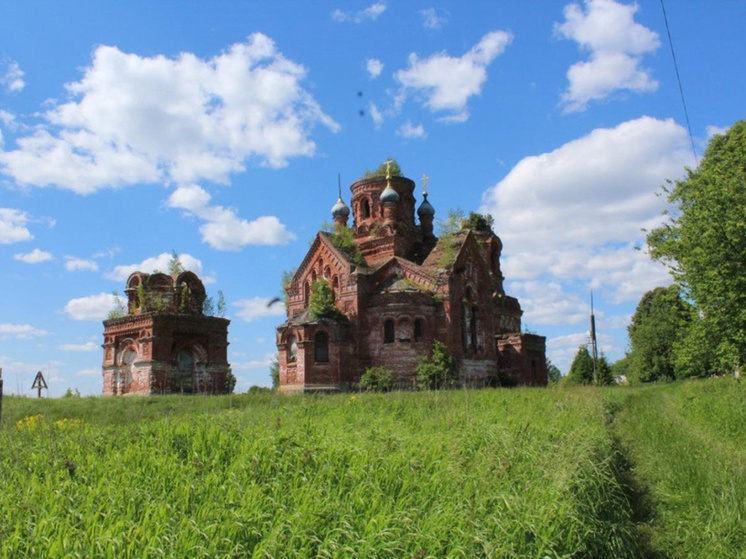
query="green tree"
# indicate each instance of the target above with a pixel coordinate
(230, 381)
(478, 222)
(440, 370)
(208, 306)
(451, 224)
(175, 266)
(120, 309)
(274, 373)
(661, 319)
(704, 243)
(377, 379)
(222, 306)
(581, 370)
(553, 373)
(321, 302)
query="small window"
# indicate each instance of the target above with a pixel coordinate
(388, 332)
(321, 347)
(366, 209)
(418, 330)
(292, 349)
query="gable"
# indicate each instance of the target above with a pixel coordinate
(399, 269)
(323, 260)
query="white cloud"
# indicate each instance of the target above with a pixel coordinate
(93, 307)
(253, 363)
(370, 13)
(88, 373)
(256, 307)
(431, 19)
(150, 265)
(36, 256)
(408, 130)
(578, 212)
(616, 43)
(20, 331)
(89, 346)
(376, 115)
(374, 67)
(223, 229)
(715, 130)
(445, 83)
(12, 78)
(13, 226)
(135, 119)
(73, 264)
(546, 303)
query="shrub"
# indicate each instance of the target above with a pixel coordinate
(377, 379)
(440, 370)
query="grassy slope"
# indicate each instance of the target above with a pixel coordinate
(687, 444)
(493, 473)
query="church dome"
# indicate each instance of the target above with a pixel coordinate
(426, 208)
(340, 209)
(389, 194)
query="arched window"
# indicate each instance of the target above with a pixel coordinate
(418, 329)
(292, 349)
(366, 209)
(306, 293)
(184, 372)
(388, 332)
(321, 347)
(473, 329)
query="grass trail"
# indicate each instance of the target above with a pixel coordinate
(687, 443)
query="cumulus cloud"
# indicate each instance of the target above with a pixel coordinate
(20, 331)
(12, 77)
(408, 130)
(36, 256)
(713, 130)
(135, 119)
(578, 212)
(253, 363)
(546, 303)
(74, 264)
(374, 67)
(256, 307)
(445, 83)
(223, 229)
(370, 13)
(89, 346)
(13, 226)
(616, 44)
(93, 307)
(154, 263)
(431, 19)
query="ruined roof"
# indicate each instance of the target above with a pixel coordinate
(444, 253)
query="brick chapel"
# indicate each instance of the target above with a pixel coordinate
(165, 344)
(398, 289)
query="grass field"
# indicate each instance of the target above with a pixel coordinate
(650, 472)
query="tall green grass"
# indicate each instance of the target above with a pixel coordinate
(490, 473)
(687, 444)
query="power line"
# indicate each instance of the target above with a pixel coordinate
(678, 78)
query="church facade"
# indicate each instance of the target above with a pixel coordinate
(165, 344)
(397, 289)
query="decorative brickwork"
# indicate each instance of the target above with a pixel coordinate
(398, 290)
(164, 344)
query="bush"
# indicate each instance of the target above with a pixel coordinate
(377, 379)
(440, 370)
(321, 302)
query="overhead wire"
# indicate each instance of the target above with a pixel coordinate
(678, 78)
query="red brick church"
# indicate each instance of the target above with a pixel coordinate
(397, 289)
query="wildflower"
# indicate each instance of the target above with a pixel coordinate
(30, 421)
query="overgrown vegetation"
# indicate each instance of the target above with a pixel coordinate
(582, 369)
(120, 308)
(321, 301)
(651, 471)
(344, 240)
(394, 169)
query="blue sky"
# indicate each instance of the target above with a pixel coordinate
(130, 129)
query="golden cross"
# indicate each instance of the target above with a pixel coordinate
(424, 180)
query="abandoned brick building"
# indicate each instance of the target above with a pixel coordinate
(397, 289)
(165, 344)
